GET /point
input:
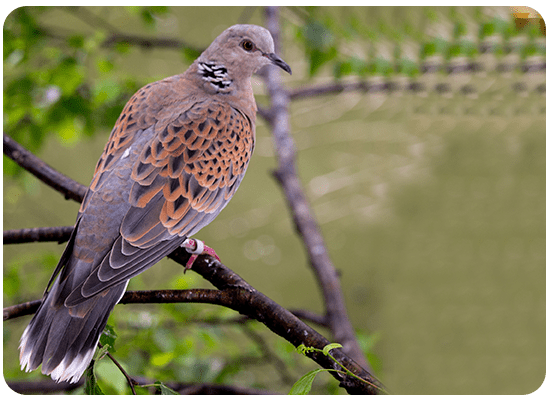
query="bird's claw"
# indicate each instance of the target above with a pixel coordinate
(196, 247)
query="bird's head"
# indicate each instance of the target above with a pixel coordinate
(242, 50)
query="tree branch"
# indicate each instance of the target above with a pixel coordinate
(42, 386)
(336, 87)
(114, 36)
(62, 183)
(148, 42)
(58, 234)
(213, 389)
(145, 42)
(91, 19)
(301, 212)
(50, 386)
(22, 309)
(233, 292)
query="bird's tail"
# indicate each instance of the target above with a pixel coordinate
(63, 339)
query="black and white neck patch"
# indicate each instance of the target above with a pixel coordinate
(216, 75)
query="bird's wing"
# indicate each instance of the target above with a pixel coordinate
(179, 182)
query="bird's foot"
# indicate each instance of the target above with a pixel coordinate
(196, 247)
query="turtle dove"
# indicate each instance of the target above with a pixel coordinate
(175, 157)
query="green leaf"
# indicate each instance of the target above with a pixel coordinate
(161, 359)
(108, 338)
(106, 91)
(303, 385)
(69, 131)
(353, 65)
(104, 65)
(68, 75)
(91, 387)
(112, 379)
(100, 353)
(317, 58)
(331, 346)
(407, 67)
(165, 390)
(487, 29)
(76, 41)
(148, 14)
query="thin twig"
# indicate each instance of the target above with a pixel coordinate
(62, 183)
(129, 379)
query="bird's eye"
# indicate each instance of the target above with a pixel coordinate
(247, 45)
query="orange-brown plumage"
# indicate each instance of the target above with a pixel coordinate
(175, 157)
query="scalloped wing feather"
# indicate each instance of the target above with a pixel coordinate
(179, 182)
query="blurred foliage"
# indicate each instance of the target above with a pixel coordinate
(47, 89)
(48, 85)
(70, 83)
(65, 83)
(387, 49)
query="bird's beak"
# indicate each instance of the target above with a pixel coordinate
(278, 61)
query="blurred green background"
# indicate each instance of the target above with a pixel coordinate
(432, 202)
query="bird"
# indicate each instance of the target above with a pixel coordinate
(174, 159)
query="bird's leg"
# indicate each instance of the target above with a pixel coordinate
(197, 247)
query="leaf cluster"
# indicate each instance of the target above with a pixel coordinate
(378, 41)
(59, 83)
